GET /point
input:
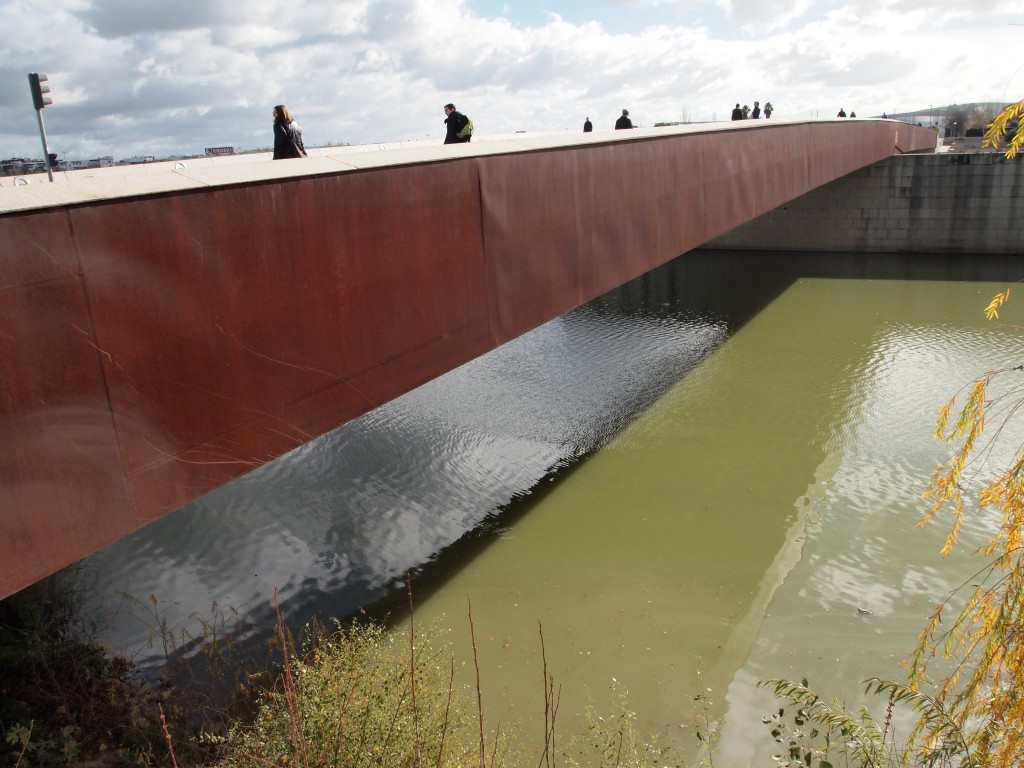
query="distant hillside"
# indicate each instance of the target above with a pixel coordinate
(936, 113)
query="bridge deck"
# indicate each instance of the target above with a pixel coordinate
(163, 331)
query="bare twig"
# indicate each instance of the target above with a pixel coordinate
(339, 739)
(260, 760)
(447, 707)
(167, 735)
(412, 668)
(28, 738)
(479, 697)
(291, 692)
(550, 705)
(709, 726)
(494, 746)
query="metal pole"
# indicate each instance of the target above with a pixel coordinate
(46, 150)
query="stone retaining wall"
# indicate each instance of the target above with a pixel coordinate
(955, 203)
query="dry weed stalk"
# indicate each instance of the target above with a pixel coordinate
(447, 710)
(291, 695)
(167, 735)
(412, 670)
(479, 697)
(551, 700)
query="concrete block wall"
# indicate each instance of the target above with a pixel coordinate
(944, 203)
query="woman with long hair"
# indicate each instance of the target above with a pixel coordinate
(287, 135)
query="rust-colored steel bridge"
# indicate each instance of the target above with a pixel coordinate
(162, 333)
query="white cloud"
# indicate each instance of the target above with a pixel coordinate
(132, 77)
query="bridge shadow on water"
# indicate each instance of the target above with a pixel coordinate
(719, 286)
(682, 311)
(425, 484)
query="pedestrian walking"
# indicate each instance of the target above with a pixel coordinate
(459, 128)
(287, 135)
(623, 121)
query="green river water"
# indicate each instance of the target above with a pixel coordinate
(758, 521)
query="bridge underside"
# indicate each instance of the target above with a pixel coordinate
(155, 347)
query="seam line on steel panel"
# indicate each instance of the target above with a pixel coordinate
(95, 343)
(491, 319)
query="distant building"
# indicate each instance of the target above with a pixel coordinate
(18, 166)
(21, 166)
(12, 167)
(137, 159)
(97, 162)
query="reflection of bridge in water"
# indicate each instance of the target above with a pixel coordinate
(165, 331)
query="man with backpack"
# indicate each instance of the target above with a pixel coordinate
(459, 127)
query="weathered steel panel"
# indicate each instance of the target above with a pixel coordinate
(36, 247)
(155, 347)
(564, 227)
(219, 309)
(833, 151)
(653, 212)
(528, 208)
(176, 480)
(62, 490)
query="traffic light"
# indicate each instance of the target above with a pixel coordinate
(35, 83)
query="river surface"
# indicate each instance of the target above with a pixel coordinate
(707, 477)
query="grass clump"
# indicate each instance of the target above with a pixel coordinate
(363, 696)
(357, 695)
(613, 740)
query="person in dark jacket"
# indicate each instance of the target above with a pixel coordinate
(587, 126)
(737, 113)
(454, 122)
(287, 135)
(624, 121)
(755, 113)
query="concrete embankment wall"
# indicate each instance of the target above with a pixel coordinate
(164, 332)
(946, 203)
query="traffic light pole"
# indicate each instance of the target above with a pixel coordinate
(46, 151)
(40, 100)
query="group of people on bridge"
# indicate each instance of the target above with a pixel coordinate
(622, 123)
(744, 112)
(459, 128)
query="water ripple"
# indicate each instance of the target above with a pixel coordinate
(334, 524)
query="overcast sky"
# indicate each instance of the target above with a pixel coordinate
(164, 77)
